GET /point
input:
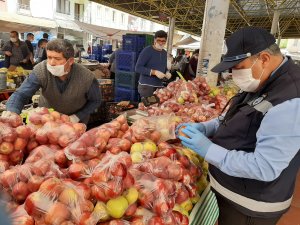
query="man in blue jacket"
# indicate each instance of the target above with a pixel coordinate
(152, 65)
(253, 150)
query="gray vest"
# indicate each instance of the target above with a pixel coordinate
(73, 98)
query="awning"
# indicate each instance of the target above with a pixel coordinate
(20, 23)
(68, 24)
(186, 41)
(101, 31)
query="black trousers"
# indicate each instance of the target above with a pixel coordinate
(145, 90)
(230, 216)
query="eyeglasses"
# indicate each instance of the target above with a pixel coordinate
(161, 40)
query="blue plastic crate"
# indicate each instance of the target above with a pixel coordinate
(126, 61)
(126, 79)
(97, 49)
(130, 43)
(126, 94)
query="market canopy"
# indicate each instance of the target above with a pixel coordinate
(186, 41)
(189, 14)
(20, 23)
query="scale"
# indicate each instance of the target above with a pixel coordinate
(150, 100)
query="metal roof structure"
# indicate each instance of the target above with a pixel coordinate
(189, 13)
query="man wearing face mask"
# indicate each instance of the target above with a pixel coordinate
(152, 65)
(253, 150)
(16, 52)
(66, 86)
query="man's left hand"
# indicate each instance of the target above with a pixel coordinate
(196, 140)
(74, 119)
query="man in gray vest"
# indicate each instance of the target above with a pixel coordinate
(253, 150)
(66, 86)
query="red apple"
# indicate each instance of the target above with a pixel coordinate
(156, 220)
(118, 170)
(57, 214)
(99, 194)
(180, 218)
(60, 158)
(113, 188)
(34, 183)
(99, 176)
(80, 128)
(32, 144)
(8, 178)
(77, 170)
(23, 132)
(130, 211)
(20, 144)
(6, 148)
(20, 191)
(16, 157)
(51, 187)
(128, 181)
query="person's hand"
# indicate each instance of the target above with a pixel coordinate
(8, 53)
(168, 75)
(74, 119)
(24, 61)
(196, 141)
(159, 74)
(199, 126)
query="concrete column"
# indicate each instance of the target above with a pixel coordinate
(212, 38)
(275, 22)
(171, 34)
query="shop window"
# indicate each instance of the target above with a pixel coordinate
(63, 6)
(114, 16)
(24, 4)
(98, 11)
(78, 11)
(123, 18)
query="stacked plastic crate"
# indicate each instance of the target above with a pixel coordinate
(97, 53)
(126, 80)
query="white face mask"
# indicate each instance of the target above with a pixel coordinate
(13, 39)
(244, 80)
(57, 71)
(158, 46)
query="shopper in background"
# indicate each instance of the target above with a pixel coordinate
(112, 64)
(152, 65)
(191, 69)
(29, 39)
(42, 55)
(16, 52)
(180, 61)
(253, 149)
(66, 86)
(46, 36)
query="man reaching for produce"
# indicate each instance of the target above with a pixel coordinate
(253, 152)
(152, 65)
(67, 87)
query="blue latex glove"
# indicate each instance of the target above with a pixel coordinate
(199, 126)
(197, 141)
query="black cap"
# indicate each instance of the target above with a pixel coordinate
(242, 44)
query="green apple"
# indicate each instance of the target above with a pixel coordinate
(180, 100)
(136, 157)
(187, 205)
(116, 207)
(137, 147)
(100, 212)
(131, 195)
(150, 146)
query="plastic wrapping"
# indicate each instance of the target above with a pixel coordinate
(96, 141)
(58, 202)
(13, 142)
(12, 119)
(155, 128)
(24, 179)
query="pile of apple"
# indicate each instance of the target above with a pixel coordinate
(13, 140)
(107, 137)
(192, 101)
(60, 201)
(21, 180)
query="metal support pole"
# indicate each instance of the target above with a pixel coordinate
(212, 38)
(275, 22)
(171, 35)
